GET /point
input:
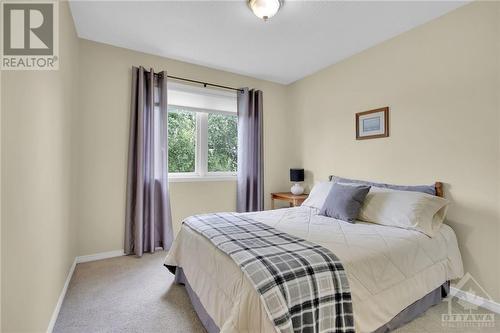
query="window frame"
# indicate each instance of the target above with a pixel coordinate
(201, 172)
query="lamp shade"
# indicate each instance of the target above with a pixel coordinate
(296, 175)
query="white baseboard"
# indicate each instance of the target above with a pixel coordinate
(99, 256)
(476, 300)
(80, 259)
(61, 298)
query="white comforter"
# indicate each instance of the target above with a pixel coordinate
(388, 268)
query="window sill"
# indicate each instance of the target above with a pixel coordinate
(196, 178)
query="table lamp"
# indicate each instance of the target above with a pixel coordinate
(297, 176)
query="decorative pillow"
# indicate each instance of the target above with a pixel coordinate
(409, 210)
(318, 195)
(344, 201)
(429, 189)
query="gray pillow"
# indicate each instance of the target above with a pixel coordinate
(429, 189)
(344, 201)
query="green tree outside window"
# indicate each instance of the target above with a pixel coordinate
(181, 141)
(221, 145)
(222, 142)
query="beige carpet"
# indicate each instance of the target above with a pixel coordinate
(127, 294)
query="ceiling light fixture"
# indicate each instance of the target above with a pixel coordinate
(265, 9)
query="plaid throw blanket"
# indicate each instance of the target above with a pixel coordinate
(303, 286)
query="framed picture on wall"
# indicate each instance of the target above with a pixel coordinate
(372, 124)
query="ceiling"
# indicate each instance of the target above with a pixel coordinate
(304, 37)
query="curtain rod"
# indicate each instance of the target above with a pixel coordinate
(205, 84)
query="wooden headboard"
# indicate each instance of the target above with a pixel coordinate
(437, 185)
(439, 189)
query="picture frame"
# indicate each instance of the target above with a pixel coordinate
(372, 124)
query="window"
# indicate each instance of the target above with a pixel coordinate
(202, 134)
(181, 140)
(222, 142)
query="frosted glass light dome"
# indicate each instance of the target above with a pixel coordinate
(264, 9)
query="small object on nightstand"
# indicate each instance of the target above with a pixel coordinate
(292, 199)
(297, 175)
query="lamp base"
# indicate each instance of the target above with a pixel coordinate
(297, 189)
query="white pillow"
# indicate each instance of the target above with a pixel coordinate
(318, 195)
(404, 209)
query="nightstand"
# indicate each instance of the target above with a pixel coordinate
(292, 199)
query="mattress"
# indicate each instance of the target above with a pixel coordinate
(388, 268)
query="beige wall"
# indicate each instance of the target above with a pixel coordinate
(38, 233)
(441, 82)
(1, 105)
(210, 197)
(102, 139)
(64, 172)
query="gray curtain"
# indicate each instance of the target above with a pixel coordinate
(148, 223)
(250, 194)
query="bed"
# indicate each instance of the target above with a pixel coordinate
(394, 274)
